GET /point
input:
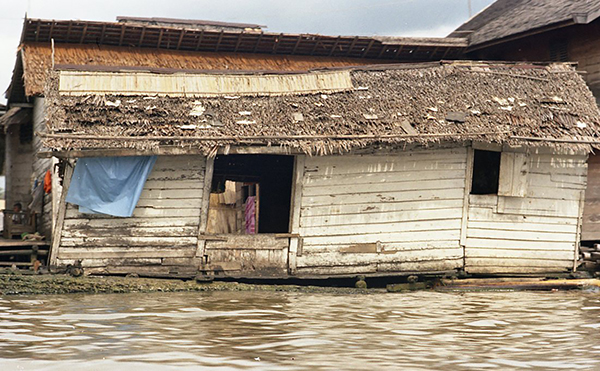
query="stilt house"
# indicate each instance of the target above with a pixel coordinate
(322, 170)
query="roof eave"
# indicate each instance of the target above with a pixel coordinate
(536, 31)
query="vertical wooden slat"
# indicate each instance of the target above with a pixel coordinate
(465, 212)
(337, 41)
(122, 34)
(579, 229)
(296, 204)
(351, 46)
(180, 39)
(203, 221)
(60, 219)
(368, 48)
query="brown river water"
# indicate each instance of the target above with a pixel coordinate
(298, 331)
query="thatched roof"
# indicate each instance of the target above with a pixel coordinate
(38, 59)
(185, 46)
(515, 18)
(388, 106)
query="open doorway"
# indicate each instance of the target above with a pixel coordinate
(250, 194)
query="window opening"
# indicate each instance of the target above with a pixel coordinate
(486, 172)
(25, 133)
(250, 194)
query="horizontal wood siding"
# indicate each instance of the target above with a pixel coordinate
(532, 234)
(164, 223)
(382, 213)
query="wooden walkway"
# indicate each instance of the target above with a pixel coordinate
(11, 249)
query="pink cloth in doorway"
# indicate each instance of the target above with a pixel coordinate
(250, 215)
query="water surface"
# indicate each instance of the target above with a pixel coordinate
(298, 331)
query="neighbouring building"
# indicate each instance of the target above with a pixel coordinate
(542, 31)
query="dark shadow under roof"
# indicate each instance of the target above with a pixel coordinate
(516, 18)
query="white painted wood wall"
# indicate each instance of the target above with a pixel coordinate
(403, 211)
(164, 223)
(531, 234)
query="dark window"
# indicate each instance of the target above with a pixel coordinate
(25, 133)
(251, 194)
(486, 171)
(559, 51)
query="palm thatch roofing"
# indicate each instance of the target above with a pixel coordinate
(188, 45)
(386, 106)
(506, 19)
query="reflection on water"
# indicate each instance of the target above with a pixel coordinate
(292, 331)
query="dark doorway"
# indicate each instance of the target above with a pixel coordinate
(251, 194)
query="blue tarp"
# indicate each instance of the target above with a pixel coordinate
(109, 185)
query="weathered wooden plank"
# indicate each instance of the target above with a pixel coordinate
(115, 222)
(524, 225)
(383, 187)
(515, 235)
(514, 270)
(497, 253)
(156, 232)
(119, 252)
(554, 193)
(294, 248)
(513, 174)
(384, 237)
(179, 184)
(382, 167)
(526, 263)
(87, 263)
(387, 246)
(164, 203)
(526, 245)
(405, 227)
(147, 271)
(379, 218)
(57, 232)
(335, 271)
(204, 208)
(423, 266)
(176, 194)
(386, 207)
(339, 259)
(139, 212)
(125, 241)
(426, 195)
(488, 215)
(565, 208)
(560, 180)
(317, 180)
(248, 242)
(468, 179)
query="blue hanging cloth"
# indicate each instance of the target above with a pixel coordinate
(109, 185)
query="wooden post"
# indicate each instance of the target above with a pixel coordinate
(203, 219)
(579, 229)
(296, 204)
(465, 212)
(55, 192)
(60, 218)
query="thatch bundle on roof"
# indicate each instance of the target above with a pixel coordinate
(390, 105)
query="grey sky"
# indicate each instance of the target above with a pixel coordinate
(329, 17)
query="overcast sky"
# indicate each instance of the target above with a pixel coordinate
(329, 17)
